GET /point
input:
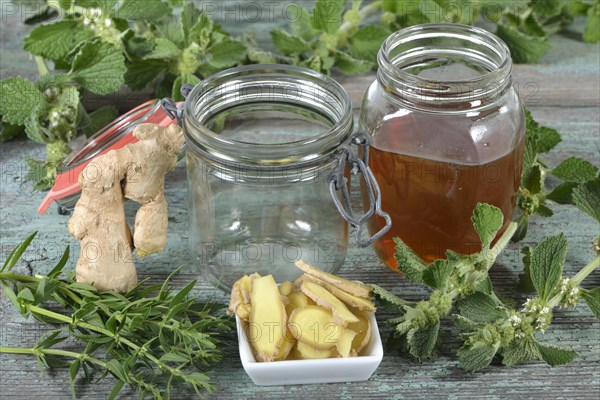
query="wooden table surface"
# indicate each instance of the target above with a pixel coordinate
(563, 92)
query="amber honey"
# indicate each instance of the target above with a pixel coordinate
(431, 201)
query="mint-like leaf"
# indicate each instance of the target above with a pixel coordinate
(227, 53)
(525, 284)
(20, 97)
(532, 179)
(144, 10)
(587, 198)
(480, 307)
(99, 119)
(189, 16)
(288, 44)
(179, 82)
(301, 25)
(140, 74)
(54, 41)
(487, 220)
(99, 67)
(464, 323)
(555, 355)
(163, 49)
(520, 351)
(365, 43)
(437, 273)
(350, 65)
(522, 227)
(409, 263)
(421, 342)
(591, 33)
(9, 131)
(389, 298)
(524, 48)
(562, 193)
(548, 139)
(575, 169)
(327, 15)
(547, 8)
(476, 357)
(592, 299)
(546, 264)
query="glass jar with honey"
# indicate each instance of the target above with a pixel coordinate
(447, 131)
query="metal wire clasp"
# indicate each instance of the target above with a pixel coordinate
(339, 182)
(170, 107)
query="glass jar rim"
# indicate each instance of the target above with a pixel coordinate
(308, 83)
(485, 47)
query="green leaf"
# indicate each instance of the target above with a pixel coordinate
(389, 298)
(288, 44)
(10, 131)
(16, 253)
(179, 82)
(476, 357)
(586, 197)
(562, 193)
(19, 97)
(99, 119)
(117, 370)
(525, 283)
(144, 10)
(575, 169)
(548, 139)
(480, 307)
(141, 74)
(464, 323)
(547, 8)
(163, 50)
(189, 17)
(73, 370)
(487, 220)
(532, 180)
(520, 351)
(226, 53)
(522, 227)
(44, 14)
(524, 48)
(409, 263)
(437, 273)
(421, 342)
(546, 264)
(555, 355)
(55, 41)
(591, 33)
(61, 263)
(350, 65)
(365, 43)
(300, 23)
(116, 390)
(99, 68)
(592, 299)
(544, 211)
(327, 15)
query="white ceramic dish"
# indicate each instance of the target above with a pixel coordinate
(326, 370)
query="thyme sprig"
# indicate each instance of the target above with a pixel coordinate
(151, 338)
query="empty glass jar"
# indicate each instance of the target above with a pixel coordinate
(269, 154)
(447, 132)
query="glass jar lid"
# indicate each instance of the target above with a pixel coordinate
(117, 134)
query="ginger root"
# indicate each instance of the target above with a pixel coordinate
(135, 172)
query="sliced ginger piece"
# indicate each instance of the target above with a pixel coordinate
(239, 302)
(285, 288)
(344, 345)
(360, 303)
(307, 352)
(355, 288)
(324, 298)
(314, 326)
(363, 329)
(286, 346)
(268, 318)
